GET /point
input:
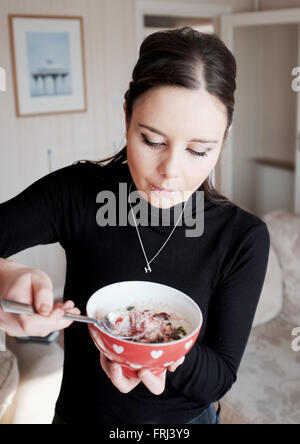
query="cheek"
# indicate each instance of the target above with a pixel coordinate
(202, 170)
(212, 160)
(140, 156)
(137, 157)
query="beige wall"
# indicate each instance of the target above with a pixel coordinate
(264, 116)
(237, 5)
(278, 4)
(109, 28)
(280, 56)
(109, 42)
(110, 50)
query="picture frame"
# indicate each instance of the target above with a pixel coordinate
(48, 64)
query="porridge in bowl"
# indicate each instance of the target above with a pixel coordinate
(152, 323)
(164, 321)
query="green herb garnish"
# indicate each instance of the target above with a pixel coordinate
(176, 333)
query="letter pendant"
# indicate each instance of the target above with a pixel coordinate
(148, 269)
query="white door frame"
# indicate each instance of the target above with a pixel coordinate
(177, 9)
(180, 9)
(228, 23)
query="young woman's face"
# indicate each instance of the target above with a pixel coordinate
(173, 118)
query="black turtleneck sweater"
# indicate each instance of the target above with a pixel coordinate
(223, 270)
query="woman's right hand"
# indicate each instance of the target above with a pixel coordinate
(33, 286)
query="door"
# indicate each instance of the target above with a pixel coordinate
(259, 169)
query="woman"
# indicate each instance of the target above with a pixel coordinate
(178, 110)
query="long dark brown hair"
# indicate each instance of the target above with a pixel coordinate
(188, 58)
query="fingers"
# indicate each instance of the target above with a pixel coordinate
(176, 364)
(42, 325)
(68, 305)
(42, 292)
(57, 315)
(114, 371)
(156, 384)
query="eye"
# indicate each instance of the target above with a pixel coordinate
(153, 145)
(197, 153)
(158, 145)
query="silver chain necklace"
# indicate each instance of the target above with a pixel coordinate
(148, 268)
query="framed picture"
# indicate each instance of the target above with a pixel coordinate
(48, 64)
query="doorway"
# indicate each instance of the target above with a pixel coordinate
(151, 16)
(154, 23)
(260, 165)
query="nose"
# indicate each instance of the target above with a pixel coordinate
(169, 165)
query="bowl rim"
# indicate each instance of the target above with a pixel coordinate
(148, 344)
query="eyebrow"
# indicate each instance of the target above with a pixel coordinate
(156, 131)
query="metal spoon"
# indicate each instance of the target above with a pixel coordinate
(10, 306)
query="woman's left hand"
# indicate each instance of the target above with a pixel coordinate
(156, 384)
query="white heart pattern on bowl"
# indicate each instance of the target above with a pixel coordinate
(168, 363)
(118, 349)
(135, 365)
(156, 354)
(188, 344)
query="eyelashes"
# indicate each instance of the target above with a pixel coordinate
(158, 146)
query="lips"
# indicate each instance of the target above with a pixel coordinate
(155, 188)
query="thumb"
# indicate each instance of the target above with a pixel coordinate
(42, 294)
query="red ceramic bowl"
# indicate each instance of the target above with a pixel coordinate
(134, 356)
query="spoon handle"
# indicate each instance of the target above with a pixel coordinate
(16, 307)
(10, 306)
(80, 318)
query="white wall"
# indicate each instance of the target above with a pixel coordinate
(264, 116)
(110, 52)
(274, 189)
(109, 30)
(278, 4)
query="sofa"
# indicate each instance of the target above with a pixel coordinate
(267, 390)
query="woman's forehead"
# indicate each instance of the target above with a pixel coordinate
(176, 99)
(167, 108)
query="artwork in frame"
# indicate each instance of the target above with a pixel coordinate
(48, 64)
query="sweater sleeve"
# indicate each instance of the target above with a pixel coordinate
(39, 215)
(210, 368)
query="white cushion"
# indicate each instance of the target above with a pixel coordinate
(40, 368)
(284, 229)
(267, 390)
(9, 377)
(270, 303)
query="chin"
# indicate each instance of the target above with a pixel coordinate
(164, 203)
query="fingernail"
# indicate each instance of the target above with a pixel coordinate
(45, 309)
